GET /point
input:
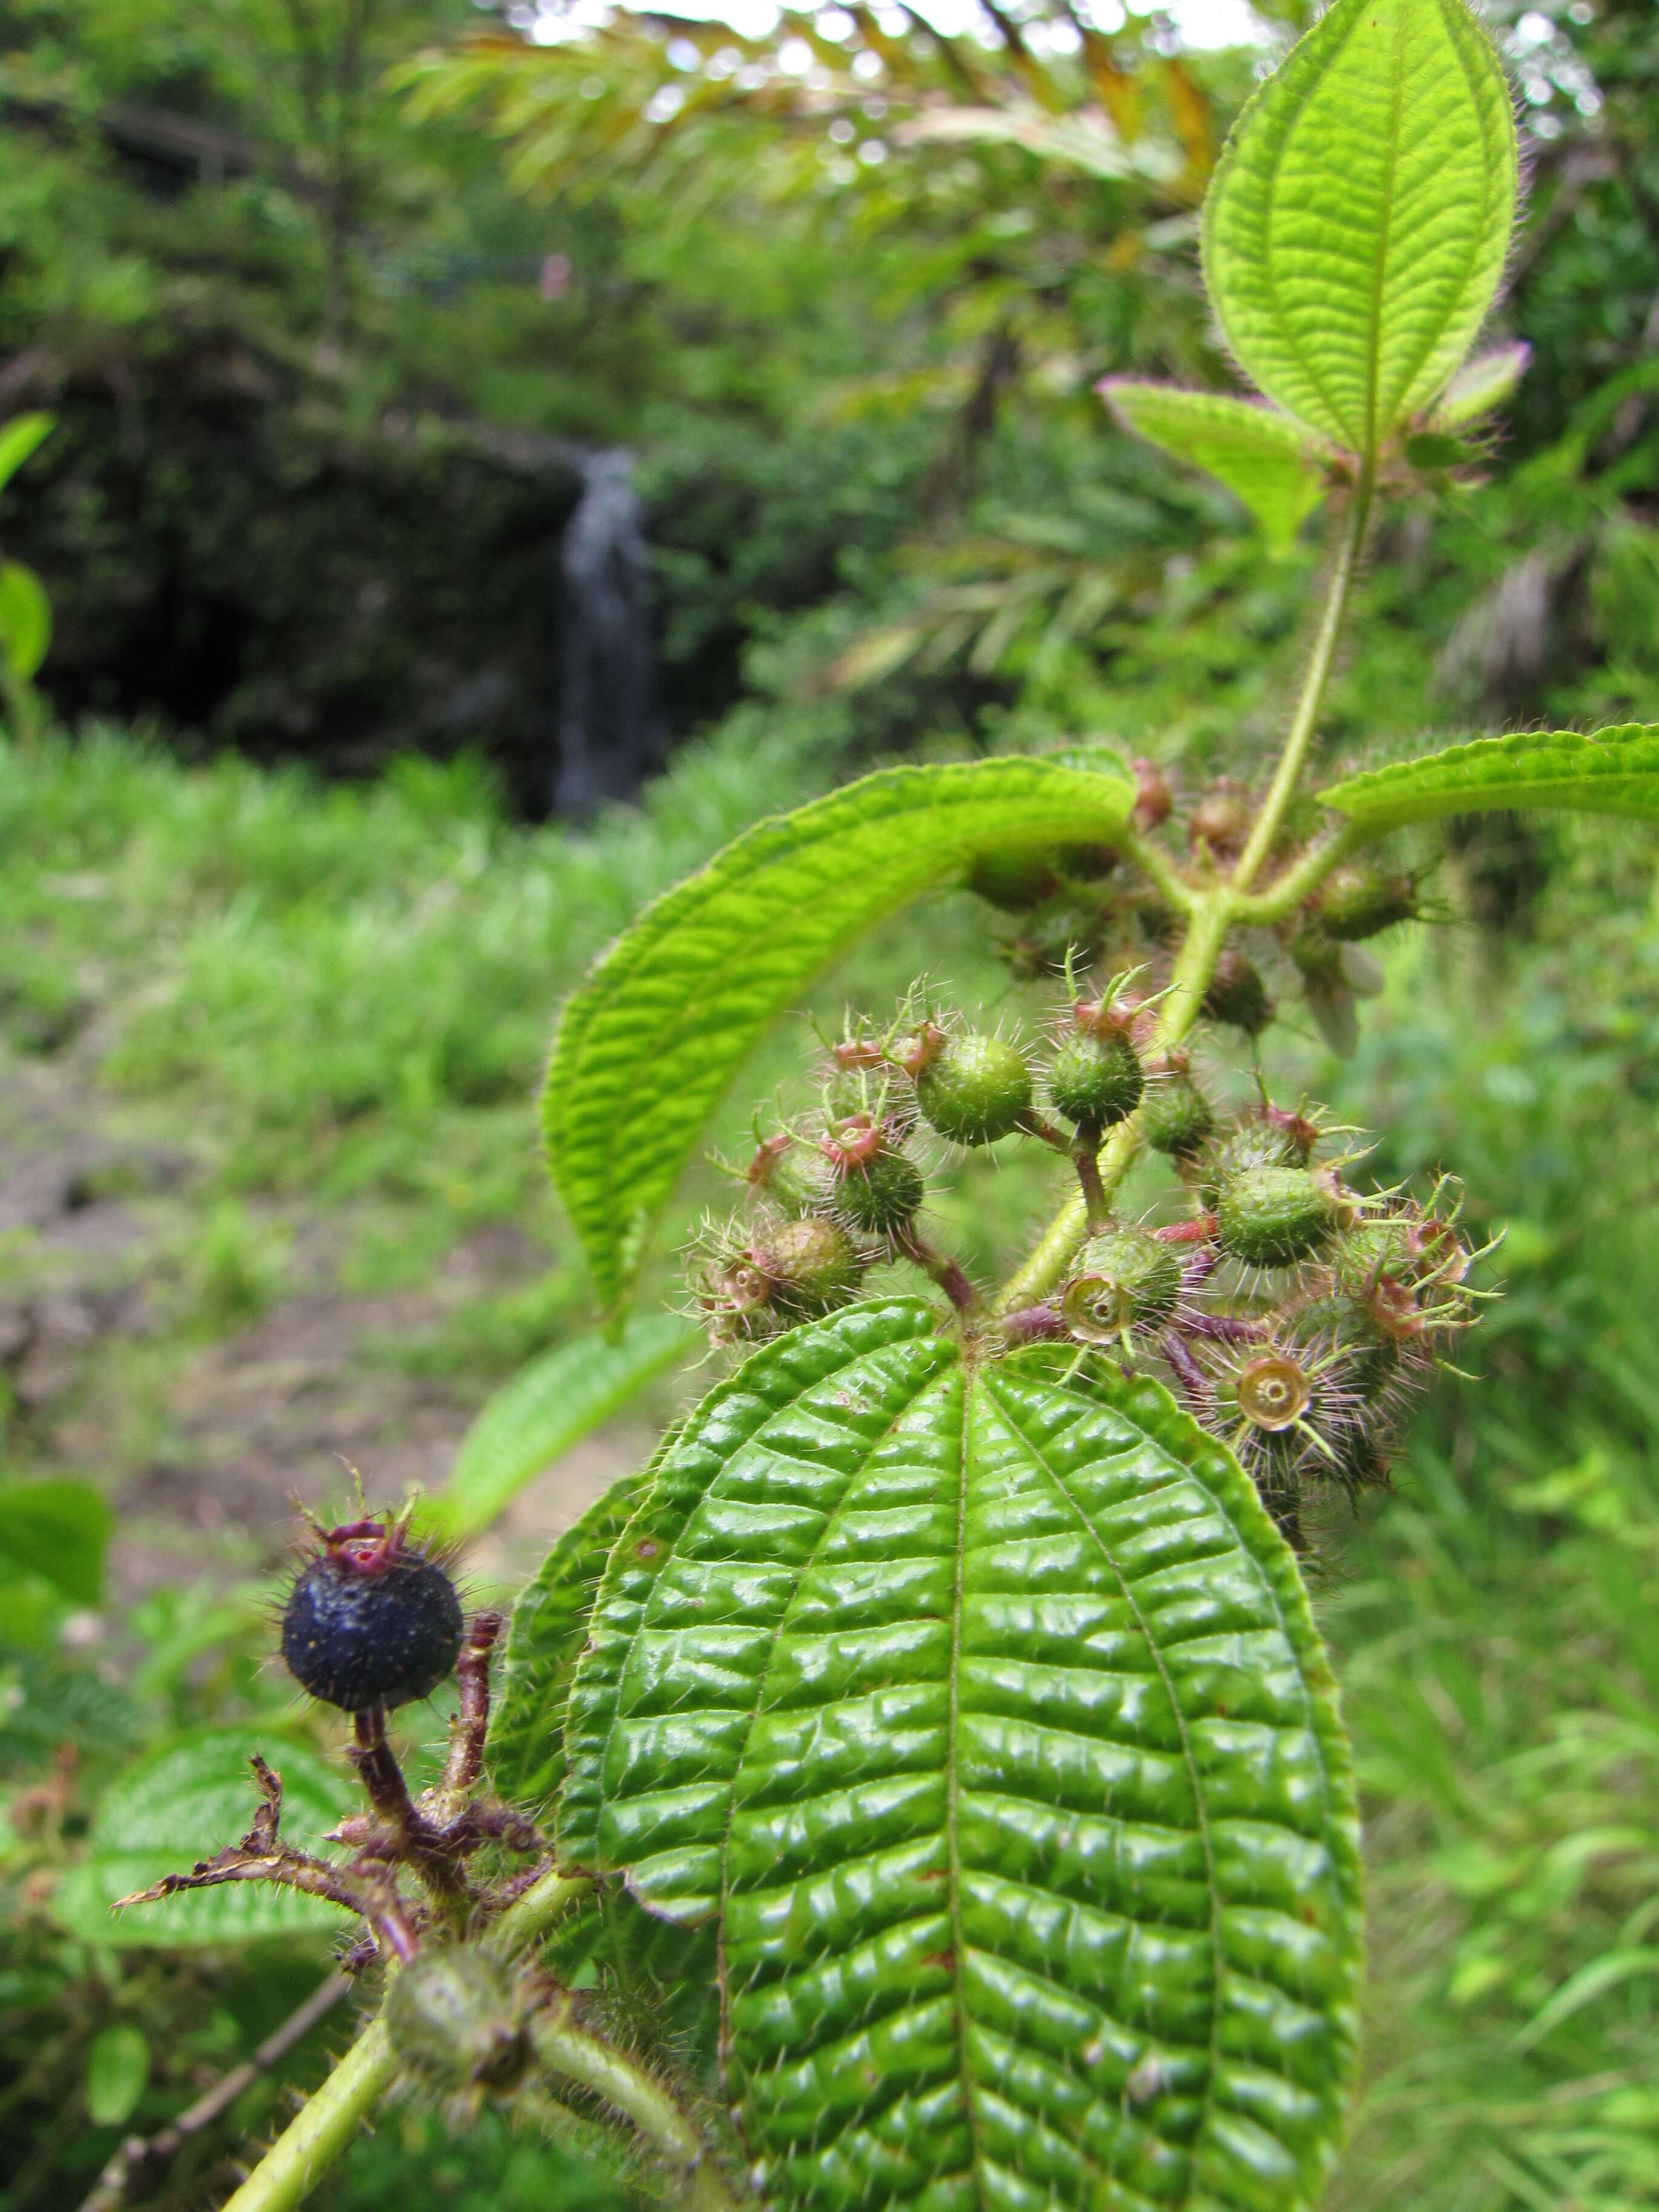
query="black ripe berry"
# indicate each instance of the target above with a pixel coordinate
(371, 1620)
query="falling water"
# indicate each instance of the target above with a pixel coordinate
(608, 736)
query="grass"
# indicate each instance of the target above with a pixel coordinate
(335, 1002)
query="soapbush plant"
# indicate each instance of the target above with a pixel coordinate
(924, 1783)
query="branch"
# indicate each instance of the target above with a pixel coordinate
(300, 2157)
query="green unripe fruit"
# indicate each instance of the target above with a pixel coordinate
(453, 2017)
(1096, 1081)
(793, 1176)
(1014, 881)
(1176, 1120)
(1124, 1279)
(1254, 1143)
(811, 1265)
(880, 1194)
(1370, 1356)
(976, 1090)
(1236, 994)
(1359, 899)
(1272, 1216)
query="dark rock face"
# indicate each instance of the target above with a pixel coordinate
(228, 550)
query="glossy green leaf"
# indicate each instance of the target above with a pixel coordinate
(1613, 772)
(117, 2069)
(525, 1751)
(1356, 227)
(25, 620)
(647, 1047)
(980, 1707)
(548, 1407)
(1479, 386)
(1273, 464)
(184, 1803)
(59, 1530)
(18, 438)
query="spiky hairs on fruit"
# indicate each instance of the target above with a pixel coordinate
(1358, 899)
(1125, 1279)
(1273, 1217)
(1175, 1117)
(454, 2018)
(1235, 994)
(371, 1619)
(976, 1089)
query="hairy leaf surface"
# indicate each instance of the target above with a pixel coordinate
(548, 1407)
(1275, 465)
(980, 1707)
(1355, 231)
(647, 1047)
(1613, 772)
(183, 1804)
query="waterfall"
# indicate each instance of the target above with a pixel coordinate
(608, 736)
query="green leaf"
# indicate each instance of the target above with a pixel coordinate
(646, 1048)
(1479, 386)
(1273, 464)
(1615, 772)
(526, 1750)
(59, 1530)
(117, 2069)
(551, 1404)
(1355, 230)
(980, 1706)
(25, 620)
(183, 1804)
(18, 439)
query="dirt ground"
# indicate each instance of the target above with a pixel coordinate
(201, 1446)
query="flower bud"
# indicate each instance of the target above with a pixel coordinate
(976, 1090)
(1153, 800)
(1125, 1279)
(454, 2019)
(1221, 821)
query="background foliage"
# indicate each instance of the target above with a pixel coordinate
(284, 314)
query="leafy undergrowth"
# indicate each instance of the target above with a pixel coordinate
(336, 1004)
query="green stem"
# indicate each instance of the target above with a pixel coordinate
(528, 1917)
(570, 2052)
(1267, 825)
(1156, 863)
(303, 2152)
(1261, 909)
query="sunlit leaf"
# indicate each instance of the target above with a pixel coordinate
(1355, 232)
(18, 438)
(1613, 772)
(25, 620)
(1275, 466)
(1479, 386)
(979, 1706)
(647, 1047)
(59, 1530)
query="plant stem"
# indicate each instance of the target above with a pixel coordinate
(528, 1917)
(1265, 827)
(300, 2157)
(570, 2052)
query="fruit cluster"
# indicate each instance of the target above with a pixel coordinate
(1295, 1317)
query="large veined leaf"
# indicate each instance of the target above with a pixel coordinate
(647, 1046)
(1613, 772)
(183, 1804)
(1275, 465)
(980, 1707)
(1356, 229)
(548, 1407)
(525, 1751)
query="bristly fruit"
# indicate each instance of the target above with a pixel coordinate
(1096, 1081)
(1236, 994)
(793, 1176)
(1176, 1119)
(372, 1619)
(454, 2018)
(1125, 1279)
(977, 1088)
(876, 1185)
(1359, 898)
(1272, 1216)
(811, 1265)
